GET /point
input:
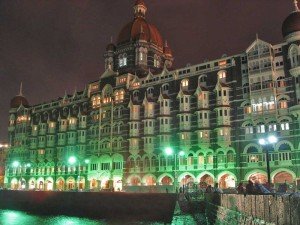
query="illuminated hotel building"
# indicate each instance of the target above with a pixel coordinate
(209, 116)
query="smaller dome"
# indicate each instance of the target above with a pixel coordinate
(167, 50)
(291, 24)
(110, 47)
(17, 101)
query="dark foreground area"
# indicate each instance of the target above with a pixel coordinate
(13, 217)
(96, 205)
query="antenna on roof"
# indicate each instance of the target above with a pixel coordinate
(256, 36)
(296, 5)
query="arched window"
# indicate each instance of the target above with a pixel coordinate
(220, 157)
(150, 91)
(284, 125)
(282, 103)
(122, 60)
(143, 55)
(230, 156)
(209, 158)
(294, 57)
(247, 108)
(246, 88)
(281, 82)
(165, 88)
(185, 83)
(202, 79)
(190, 160)
(156, 61)
(201, 159)
(222, 74)
(249, 129)
(136, 95)
(272, 126)
(260, 128)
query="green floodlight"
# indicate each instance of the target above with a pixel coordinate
(87, 161)
(181, 153)
(72, 160)
(16, 164)
(28, 165)
(169, 151)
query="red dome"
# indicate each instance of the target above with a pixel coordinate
(17, 101)
(132, 31)
(291, 24)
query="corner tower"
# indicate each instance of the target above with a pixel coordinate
(139, 47)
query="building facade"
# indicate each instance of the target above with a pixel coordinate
(145, 125)
(3, 153)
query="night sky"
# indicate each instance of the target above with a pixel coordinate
(58, 45)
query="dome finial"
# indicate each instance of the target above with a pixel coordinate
(296, 5)
(111, 39)
(21, 89)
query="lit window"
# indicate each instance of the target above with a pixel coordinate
(285, 126)
(122, 60)
(185, 83)
(201, 134)
(221, 132)
(247, 109)
(249, 129)
(283, 104)
(272, 127)
(261, 128)
(222, 74)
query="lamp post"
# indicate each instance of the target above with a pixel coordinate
(270, 140)
(169, 151)
(72, 160)
(15, 165)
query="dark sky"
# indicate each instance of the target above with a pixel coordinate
(57, 45)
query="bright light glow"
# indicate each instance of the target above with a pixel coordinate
(169, 151)
(28, 165)
(87, 161)
(181, 153)
(72, 160)
(272, 139)
(262, 141)
(16, 164)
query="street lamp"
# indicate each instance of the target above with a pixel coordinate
(270, 140)
(169, 151)
(16, 164)
(72, 160)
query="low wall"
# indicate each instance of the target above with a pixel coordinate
(117, 205)
(253, 209)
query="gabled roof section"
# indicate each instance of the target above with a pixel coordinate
(107, 73)
(256, 42)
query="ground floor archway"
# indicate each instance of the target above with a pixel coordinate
(227, 181)
(282, 177)
(60, 184)
(206, 180)
(166, 180)
(258, 178)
